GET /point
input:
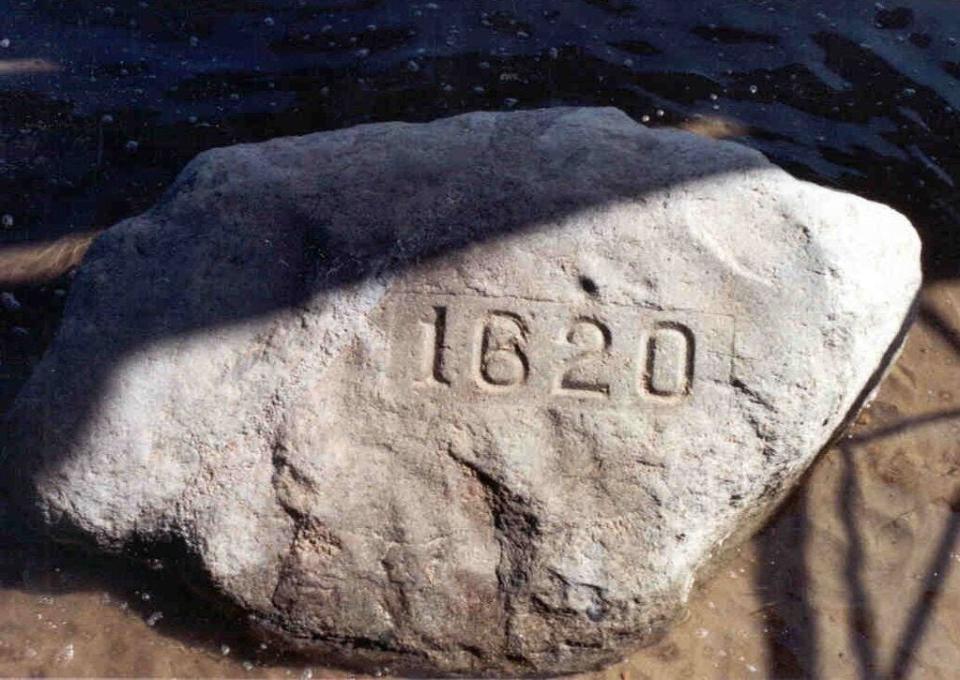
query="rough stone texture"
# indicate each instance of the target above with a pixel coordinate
(479, 395)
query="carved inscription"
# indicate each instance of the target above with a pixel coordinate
(583, 374)
(669, 360)
(433, 330)
(501, 360)
(472, 346)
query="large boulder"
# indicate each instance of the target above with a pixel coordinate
(479, 395)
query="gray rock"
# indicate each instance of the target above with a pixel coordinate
(480, 395)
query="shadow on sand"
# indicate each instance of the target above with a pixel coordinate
(783, 573)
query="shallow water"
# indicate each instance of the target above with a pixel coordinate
(101, 104)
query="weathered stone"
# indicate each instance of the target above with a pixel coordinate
(479, 395)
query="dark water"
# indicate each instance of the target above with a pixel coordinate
(102, 103)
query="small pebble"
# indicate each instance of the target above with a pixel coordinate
(132, 146)
(154, 618)
(7, 221)
(5, 43)
(65, 655)
(224, 649)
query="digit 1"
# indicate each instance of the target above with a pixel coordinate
(433, 359)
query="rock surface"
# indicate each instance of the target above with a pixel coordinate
(479, 395)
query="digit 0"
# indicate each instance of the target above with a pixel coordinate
(668, 361)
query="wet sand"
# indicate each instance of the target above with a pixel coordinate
(857, 576)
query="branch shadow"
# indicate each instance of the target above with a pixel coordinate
(941, 564)
(783, 576)
(919, 617)
(783, 582)
(861, 632)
